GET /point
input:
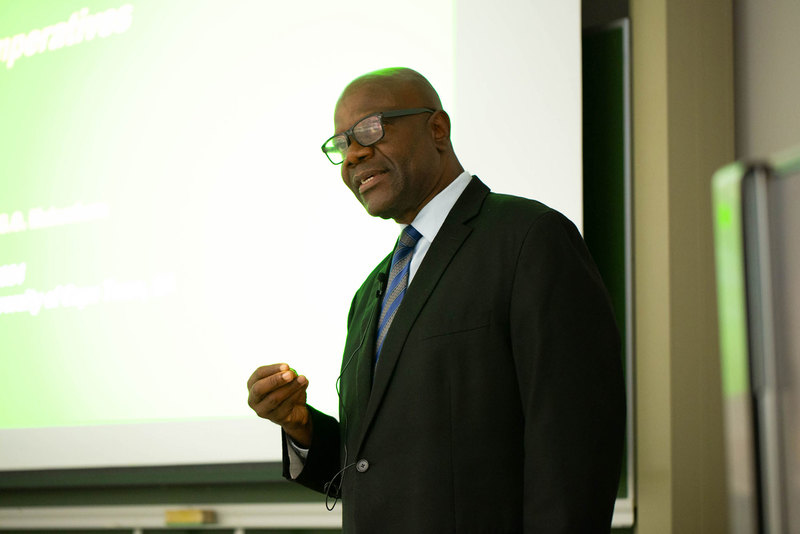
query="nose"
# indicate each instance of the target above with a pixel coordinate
(356, 152)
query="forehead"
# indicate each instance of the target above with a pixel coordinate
(361, 100)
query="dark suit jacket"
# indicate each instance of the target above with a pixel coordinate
(498, 401)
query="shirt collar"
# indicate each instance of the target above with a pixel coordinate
(431, 217)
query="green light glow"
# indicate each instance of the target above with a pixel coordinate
(730, 278)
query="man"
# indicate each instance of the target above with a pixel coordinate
(481, 387)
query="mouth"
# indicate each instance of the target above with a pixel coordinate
(366, 179)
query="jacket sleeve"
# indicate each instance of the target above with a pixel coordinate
(322, 462)
(569, 367)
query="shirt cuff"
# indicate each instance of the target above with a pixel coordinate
(297, 457)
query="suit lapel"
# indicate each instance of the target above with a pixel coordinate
(356, 374)
(441, 252)
(366, 355)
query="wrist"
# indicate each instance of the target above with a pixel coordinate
(300, 432)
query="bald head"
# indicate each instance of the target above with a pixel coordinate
(407, 84)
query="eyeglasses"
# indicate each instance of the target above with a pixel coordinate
(366, 132)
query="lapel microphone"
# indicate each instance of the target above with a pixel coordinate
(381, 285)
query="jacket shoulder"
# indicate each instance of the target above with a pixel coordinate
(521, 214)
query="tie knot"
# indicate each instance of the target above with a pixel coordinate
(409, 237)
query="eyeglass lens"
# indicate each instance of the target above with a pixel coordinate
(366, 132)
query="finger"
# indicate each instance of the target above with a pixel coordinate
(281, 410)
(271, 383)
(286, 412)
(278, 404)
(265, 371)
(277, 387)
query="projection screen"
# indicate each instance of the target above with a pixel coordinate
(165, 209)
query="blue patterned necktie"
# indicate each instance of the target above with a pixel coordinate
(398, 282)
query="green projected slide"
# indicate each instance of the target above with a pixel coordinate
(167, 219)
(168, 222)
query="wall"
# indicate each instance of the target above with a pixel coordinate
(767, 76)
(683, 115)
(690, 59)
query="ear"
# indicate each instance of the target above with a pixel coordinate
(440, 129)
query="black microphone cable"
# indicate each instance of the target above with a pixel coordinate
(332, 484)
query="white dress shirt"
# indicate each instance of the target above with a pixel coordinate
(431, 217)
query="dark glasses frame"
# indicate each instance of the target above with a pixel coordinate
(349, 134)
